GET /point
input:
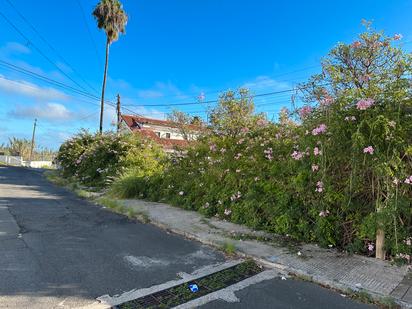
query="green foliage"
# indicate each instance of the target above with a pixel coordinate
(229, 248)
(96, 160)
(110, 17)
(334, 171)
(232, 114)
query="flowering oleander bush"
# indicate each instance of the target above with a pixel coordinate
(336, 171)
(97, 159)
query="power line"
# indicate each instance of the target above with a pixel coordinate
(48, 80)
(269, 76)
(216, 101)
(88, 31)
(49, 45)
(39, 50)
(56, 83)
(80, 92)
(32, 87)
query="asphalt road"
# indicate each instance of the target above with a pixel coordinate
(59, 251)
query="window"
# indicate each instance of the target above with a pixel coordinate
(167, 135)
(158, 134)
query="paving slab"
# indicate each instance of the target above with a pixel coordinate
(326, 266)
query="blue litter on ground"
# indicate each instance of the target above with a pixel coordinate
(194, 288)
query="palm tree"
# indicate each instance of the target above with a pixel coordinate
(110, 17)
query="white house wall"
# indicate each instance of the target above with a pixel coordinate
(174, 133)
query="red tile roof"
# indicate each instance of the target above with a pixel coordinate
(135, 122)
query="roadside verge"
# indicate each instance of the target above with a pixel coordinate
(357, 276)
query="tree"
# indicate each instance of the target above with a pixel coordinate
(232, 113)
(19, 147)
(363, 94)
(186, 124)
(110, 17)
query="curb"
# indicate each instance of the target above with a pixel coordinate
(281, 268)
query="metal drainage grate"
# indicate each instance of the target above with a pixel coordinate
(181, 293)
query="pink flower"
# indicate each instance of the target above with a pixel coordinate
(315, 168)
(356, 44)
(212, 147)
(201, 96)
(268, 154)
(241, 141)
(236, 196)
(408, 241)
(244, 130)
(404, 256)
(297, 155)
(316, 151)
(319, 186)
(364, 104)
(350, 118)
(305, 111)
(397, 37)
(371, 246)
(326, 101)
(324, 213)
(364, 78)
(369, 150)
(262, 122)
(320, 129)
(408, 180)
(206, 205)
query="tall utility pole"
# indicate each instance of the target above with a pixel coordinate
(32, 139)
(119, 115)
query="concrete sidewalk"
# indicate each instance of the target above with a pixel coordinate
(325, 266)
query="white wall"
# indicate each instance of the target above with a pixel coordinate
(174, 132)
(12, 160)
(38, 164)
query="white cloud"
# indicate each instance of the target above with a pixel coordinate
(50, 112)
(64, 67)
(137, 108)
(158, 90)
(149, 94)
(265, 83)
(24, 88)
(150, 112)
(13, 48)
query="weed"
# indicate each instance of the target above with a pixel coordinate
(229, 248)
(108, 202)
(388, 303)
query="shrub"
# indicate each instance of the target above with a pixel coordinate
(336, 171)
(96, 160)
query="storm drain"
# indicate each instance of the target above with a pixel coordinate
(185, 292)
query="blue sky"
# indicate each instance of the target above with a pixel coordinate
(173, 51)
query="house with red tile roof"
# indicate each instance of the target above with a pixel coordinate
(166, 133)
